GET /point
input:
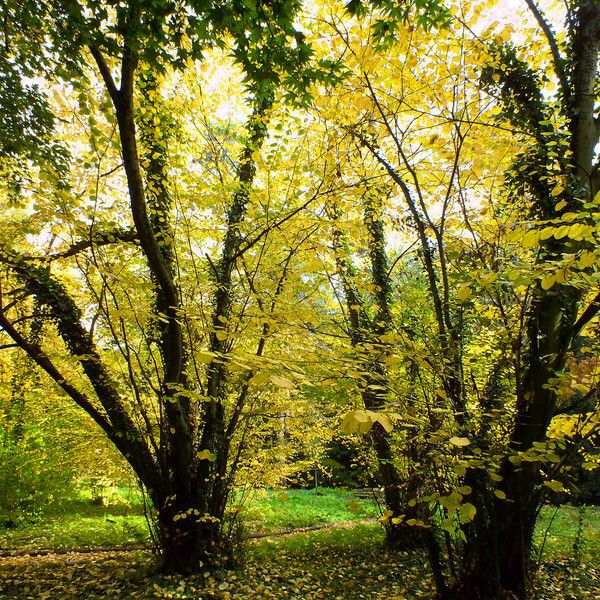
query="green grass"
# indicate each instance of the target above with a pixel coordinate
(344, 562)
(272, 510)
(80, 523)
(363, 535)
(561, 531)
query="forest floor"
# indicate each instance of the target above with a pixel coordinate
(344, 563)
(344, 559)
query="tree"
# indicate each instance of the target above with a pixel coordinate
(155, 252)
(558, 175)
(551, 293)
(132, 356)
(414, 158)
(366, 330)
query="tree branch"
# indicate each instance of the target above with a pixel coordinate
(556, 57)
(586, 316)
(107, 77)
(100, 239)
(42, 360)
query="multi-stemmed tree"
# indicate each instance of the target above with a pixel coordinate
(131, 350)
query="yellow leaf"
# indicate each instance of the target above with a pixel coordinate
(586, 259)
(561, 231)
(560, 205)
(555, 486)
(467, 512)
(557, 191)
(206, 455)
(451, 501)
(463, 292)
(363, 103)
(205, 356)
(259, 379)
(575, 231)
(548, 281)
(282, 382)
(349, 423)
(386, 422)
(357, 421)
(530, 239)
(363, 416)
(500, 494)
(459, 441)
(416, 522)
(460, 470)
(385, 516)
(448, 525)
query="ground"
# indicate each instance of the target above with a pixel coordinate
(343, 561)
(321, 564)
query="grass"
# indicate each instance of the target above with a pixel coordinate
(339, 563)
(80, 523)
(365, 535)
(326, 565)
(560, 526)
(270, 510)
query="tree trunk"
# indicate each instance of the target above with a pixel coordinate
(189, 543)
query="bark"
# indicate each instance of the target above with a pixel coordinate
(190, 538)
(585, 128)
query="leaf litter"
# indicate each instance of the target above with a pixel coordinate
(311, 569)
